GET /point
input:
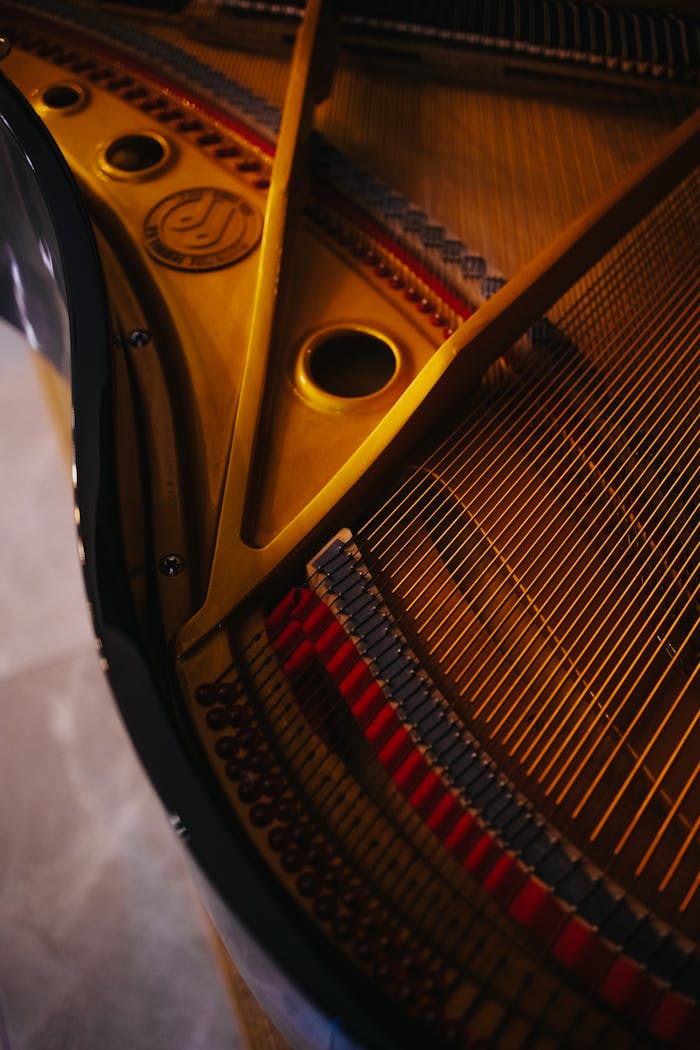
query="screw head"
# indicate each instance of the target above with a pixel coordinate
(139, 337)
(171, 565)
(178, 827)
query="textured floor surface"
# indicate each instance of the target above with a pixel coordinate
(103, 942)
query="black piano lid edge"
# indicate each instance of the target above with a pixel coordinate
(222, 851)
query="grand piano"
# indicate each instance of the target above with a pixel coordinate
(385, 363)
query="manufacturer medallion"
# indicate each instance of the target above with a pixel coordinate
(202, 229)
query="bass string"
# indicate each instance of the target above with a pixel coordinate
(673, 809)
(460, 469)
(380, 533)
(621, 605)
(635, 510)
(399, 531)
(594, 538)
(655, 790)
(519, 648)
(386, 533)
(563, 366)
(612, 688)
(387, 858)
(414, 499)
(430, 566)
(558, 392)
(655, 787)
(571, 704)
(644, 558)
(671, 569)
(523, 709)
(575, 473)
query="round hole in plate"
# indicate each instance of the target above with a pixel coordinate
(135, 153)
(351, 363)
(62, 96)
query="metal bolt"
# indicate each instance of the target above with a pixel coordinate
(178, 827)
(139, 337)
(171, 565)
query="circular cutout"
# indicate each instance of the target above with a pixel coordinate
(135, 153)
(62, 96)
(204, 228)
(351, 363)
(65, 97)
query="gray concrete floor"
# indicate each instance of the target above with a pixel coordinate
(103, 943)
